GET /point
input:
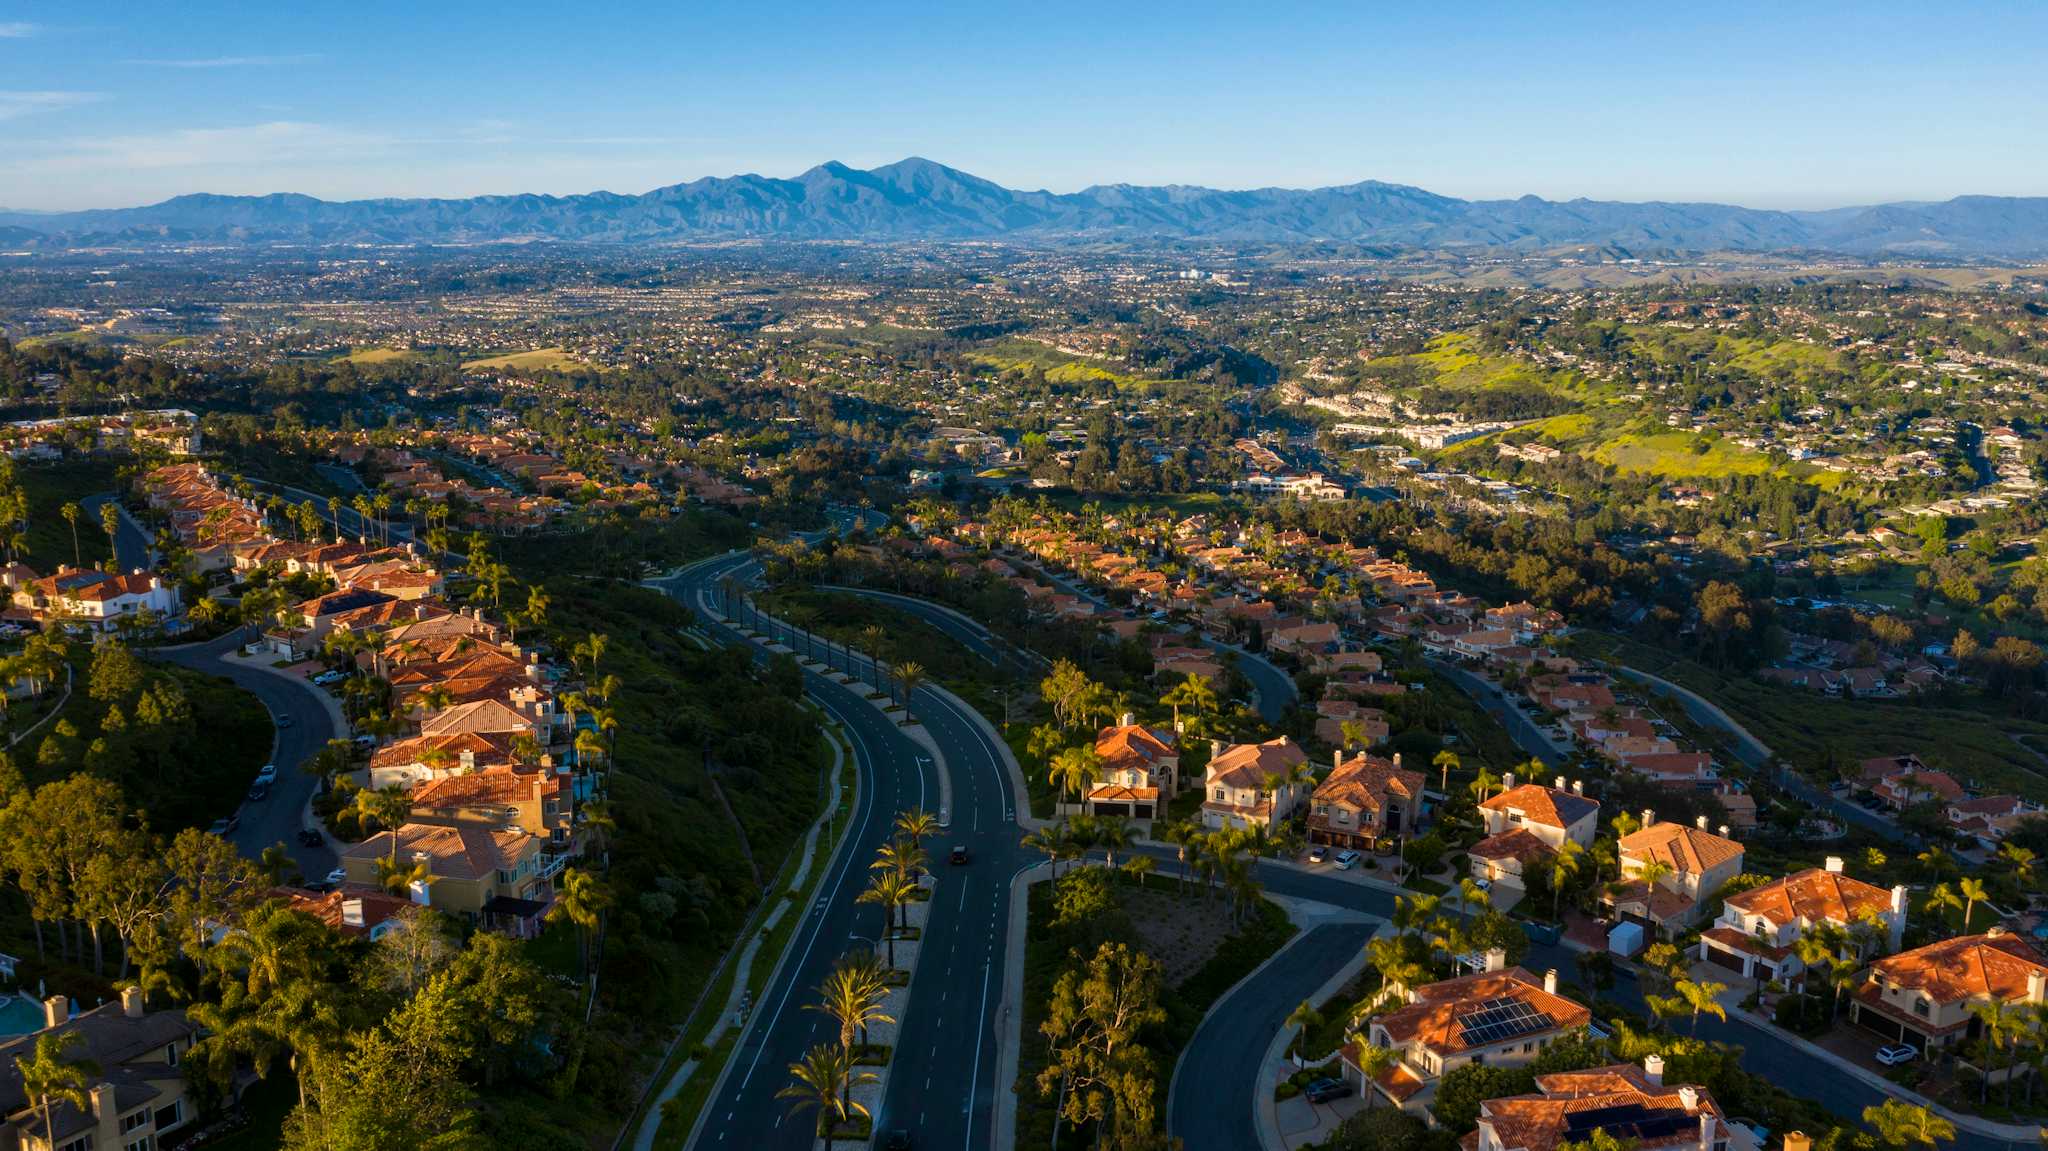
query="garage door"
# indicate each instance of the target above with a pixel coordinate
(1727, 959)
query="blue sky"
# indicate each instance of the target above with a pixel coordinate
(110, 105)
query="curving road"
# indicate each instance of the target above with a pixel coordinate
(941, 1085)
(309, 725)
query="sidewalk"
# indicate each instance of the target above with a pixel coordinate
(1273, 1128)
(1009, 1013)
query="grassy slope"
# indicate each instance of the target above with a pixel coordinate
(49, 488)
(1060, 367)
(1975, 743)
(538, 359)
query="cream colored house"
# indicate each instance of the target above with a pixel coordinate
(1695, 863)
(138, 1096)
(1502, 1017)
(1924, 996)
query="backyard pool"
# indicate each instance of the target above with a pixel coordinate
(20, 1015)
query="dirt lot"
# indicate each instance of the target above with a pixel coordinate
(1180, 931)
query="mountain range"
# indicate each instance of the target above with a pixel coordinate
(917, 199)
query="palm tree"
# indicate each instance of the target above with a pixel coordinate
(1050, 839)
(47, 1078)
(1140, 866)
(1701, 998)
(1942, 898)
(71, 514)
(1373, 1061)
(852, 994)
(825, 1081)
(390, 807)
(580, 898)
(1351, 732)
(110, 519)
(915, 824)
(1186, 693)
(893, 890)
(1301, 1019)
(1902, 1124)
(1993, 1030)
(1564, 867)
(2020, 859)
(1972, 890)
(901, 856)
(1076, 769)
(1113, 835)
(1444, 762)
(398, 878)
(909, 674)
(1482, 785)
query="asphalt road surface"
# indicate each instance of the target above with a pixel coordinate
(941, 1084)
(1211, 1106)
(308, 727)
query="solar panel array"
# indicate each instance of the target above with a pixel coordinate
(1630, 1121)
(1500, 1019)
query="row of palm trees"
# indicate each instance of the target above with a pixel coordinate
(1219, 862)
(857, 988)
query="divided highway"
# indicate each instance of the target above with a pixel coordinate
(942, 1082)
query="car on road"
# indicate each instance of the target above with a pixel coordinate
(958, 854)
(283, 720)
(267, 773)
(1893, 1054)
(310, 837)
(259, 791)
(1325, 1090)
(1346, 860)
(327, 677)
(226, 826)
(1318, 853)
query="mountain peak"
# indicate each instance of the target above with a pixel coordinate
(920, 198)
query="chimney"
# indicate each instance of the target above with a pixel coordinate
(1700, 822)
(1496, 959)
(533, 672)
(1397, 759)
(467, 759)
(1550, 981)
(1897, 932)
(56, 1011)
(1996, 931)
(351, 913)
(1725, 833)
(1507, 781)
(2037, 985)
(1215, 749)
(1798, 1141)
(1578, 787)
(1649, 818)
(1689, 1097)
(1653, 1069)
(418, 891)
(1126, 719)
(1282, 741)
(1337, 759)
(1834, 864)
(1559, 784)
(104, 1106)
(131, 1002)
(1706, 1128)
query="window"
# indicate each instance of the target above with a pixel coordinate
(171, 1053)
(143, 1144)
(1218, 797)
(131, 1122)
(169, 1117)
(504, 876)
(1920, 1005)
(82, 1143)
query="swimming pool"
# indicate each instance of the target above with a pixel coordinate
(20, 1016)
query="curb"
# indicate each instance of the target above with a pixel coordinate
(1271, 1138)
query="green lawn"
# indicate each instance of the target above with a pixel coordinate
(1684, 455)
(535, 360)
(49, 488)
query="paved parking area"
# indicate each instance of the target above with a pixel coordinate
(1303, 1124)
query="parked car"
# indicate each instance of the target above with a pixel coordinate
(1324, 1090)
(337, 876)
(1346, 860)
(1318, 853)
(284, 720)
(1483, 884)
(259, 791)
(958, 854)
(310, 837)
(267, 773)
(327, 677)
(225, 826)
(1891, 1055)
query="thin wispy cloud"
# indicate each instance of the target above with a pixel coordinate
(275, 145)
(16, 30)
(230, 61)
(14, 105)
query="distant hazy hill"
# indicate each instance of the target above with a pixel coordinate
(918, 199)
